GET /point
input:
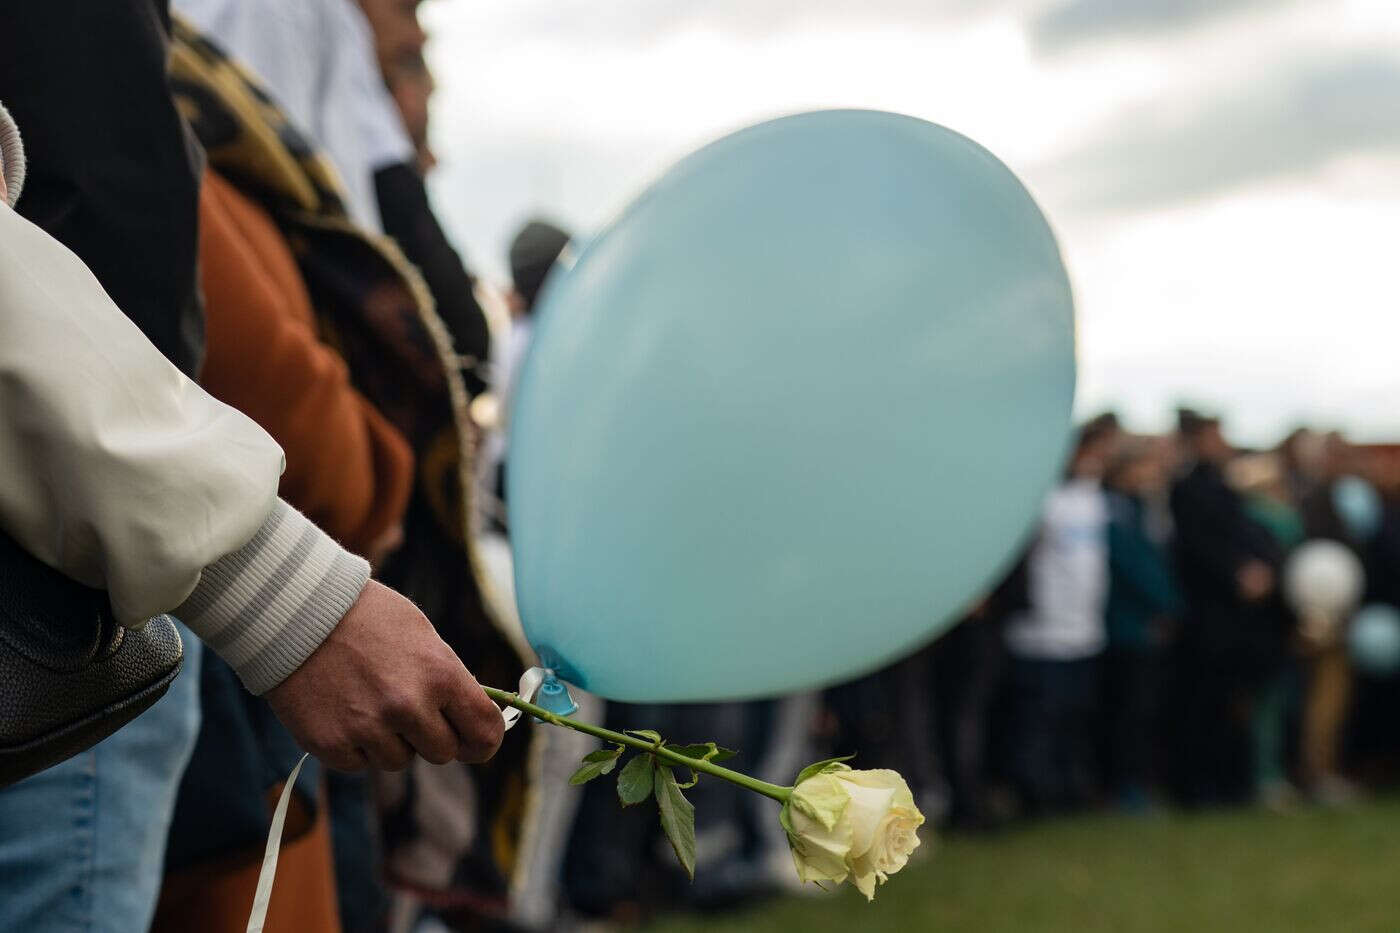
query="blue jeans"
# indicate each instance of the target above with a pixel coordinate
(82, 845)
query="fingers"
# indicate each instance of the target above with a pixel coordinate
(431, 736)
(382, 686)
(341, 759)
(476, 720)
(387, 752)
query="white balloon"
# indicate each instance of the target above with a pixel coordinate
(1324, 577)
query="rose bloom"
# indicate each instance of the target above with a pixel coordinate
(860, 825)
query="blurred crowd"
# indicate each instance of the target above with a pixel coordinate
(1189, 625)
(1180, 629)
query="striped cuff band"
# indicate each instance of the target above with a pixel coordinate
(267, 606)
(11, 156)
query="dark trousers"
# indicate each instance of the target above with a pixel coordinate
(968, 667)
(1132, 696)
(886, 719)
(1213, 687)
(612, 858)
(1052, 752)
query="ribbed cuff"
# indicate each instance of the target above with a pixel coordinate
(267, 606)
(11, 156)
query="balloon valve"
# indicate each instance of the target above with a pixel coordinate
(554, 696)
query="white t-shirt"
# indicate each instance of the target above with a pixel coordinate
(316, 58)
(1067, 578)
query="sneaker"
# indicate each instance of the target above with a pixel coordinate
(1333, 790)
(1278, 796)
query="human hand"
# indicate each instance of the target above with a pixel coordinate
(382, 686)
(1162, 630)
(1254, 580)
(1317, 630)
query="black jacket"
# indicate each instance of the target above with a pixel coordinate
(409, 219)
(1214, 536)
(1214, 539)
(113, 172)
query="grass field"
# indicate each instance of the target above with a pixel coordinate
(1239, 871)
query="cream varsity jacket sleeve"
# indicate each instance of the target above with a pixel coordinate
(123, 474)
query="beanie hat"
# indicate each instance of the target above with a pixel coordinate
(1190, 422)
(533, 253)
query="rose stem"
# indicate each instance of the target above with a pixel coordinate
(775, 791)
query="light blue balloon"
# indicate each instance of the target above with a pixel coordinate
(790, 413)
(1374, 639)
(1358, 505)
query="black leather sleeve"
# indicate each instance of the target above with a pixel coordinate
(409, 219)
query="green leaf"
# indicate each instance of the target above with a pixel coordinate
(648, 734)
(677, 818)
(596, 764)
(705, 751)
(604, 754)
(698, 752)
(634, 781)
(587, 773)
(819, 767)
(691, 751)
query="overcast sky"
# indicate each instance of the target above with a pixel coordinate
(1224, 175)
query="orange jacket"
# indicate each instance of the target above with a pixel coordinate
(348, 469)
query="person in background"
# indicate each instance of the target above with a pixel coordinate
(404, 208)
(373, 76)
(889, 716)
(373, 308)
(399, 43)
(1263, 481)
(326, 63)
(1327, 674)
(1319, 507)
(1383, 578)
(1303, 455)
(1228, 566)
(1144, 604)
(1376, 708)
(316, 58)
(351, 472)
(534, 250)
(1055, 642)
(539, 893)
(968, 664)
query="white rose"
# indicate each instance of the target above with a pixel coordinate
(842, 824)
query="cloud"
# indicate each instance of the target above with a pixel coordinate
(630, 21)
(1291, 119)
(1071, 22)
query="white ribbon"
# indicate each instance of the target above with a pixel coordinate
(530, 682)
(263, 894)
